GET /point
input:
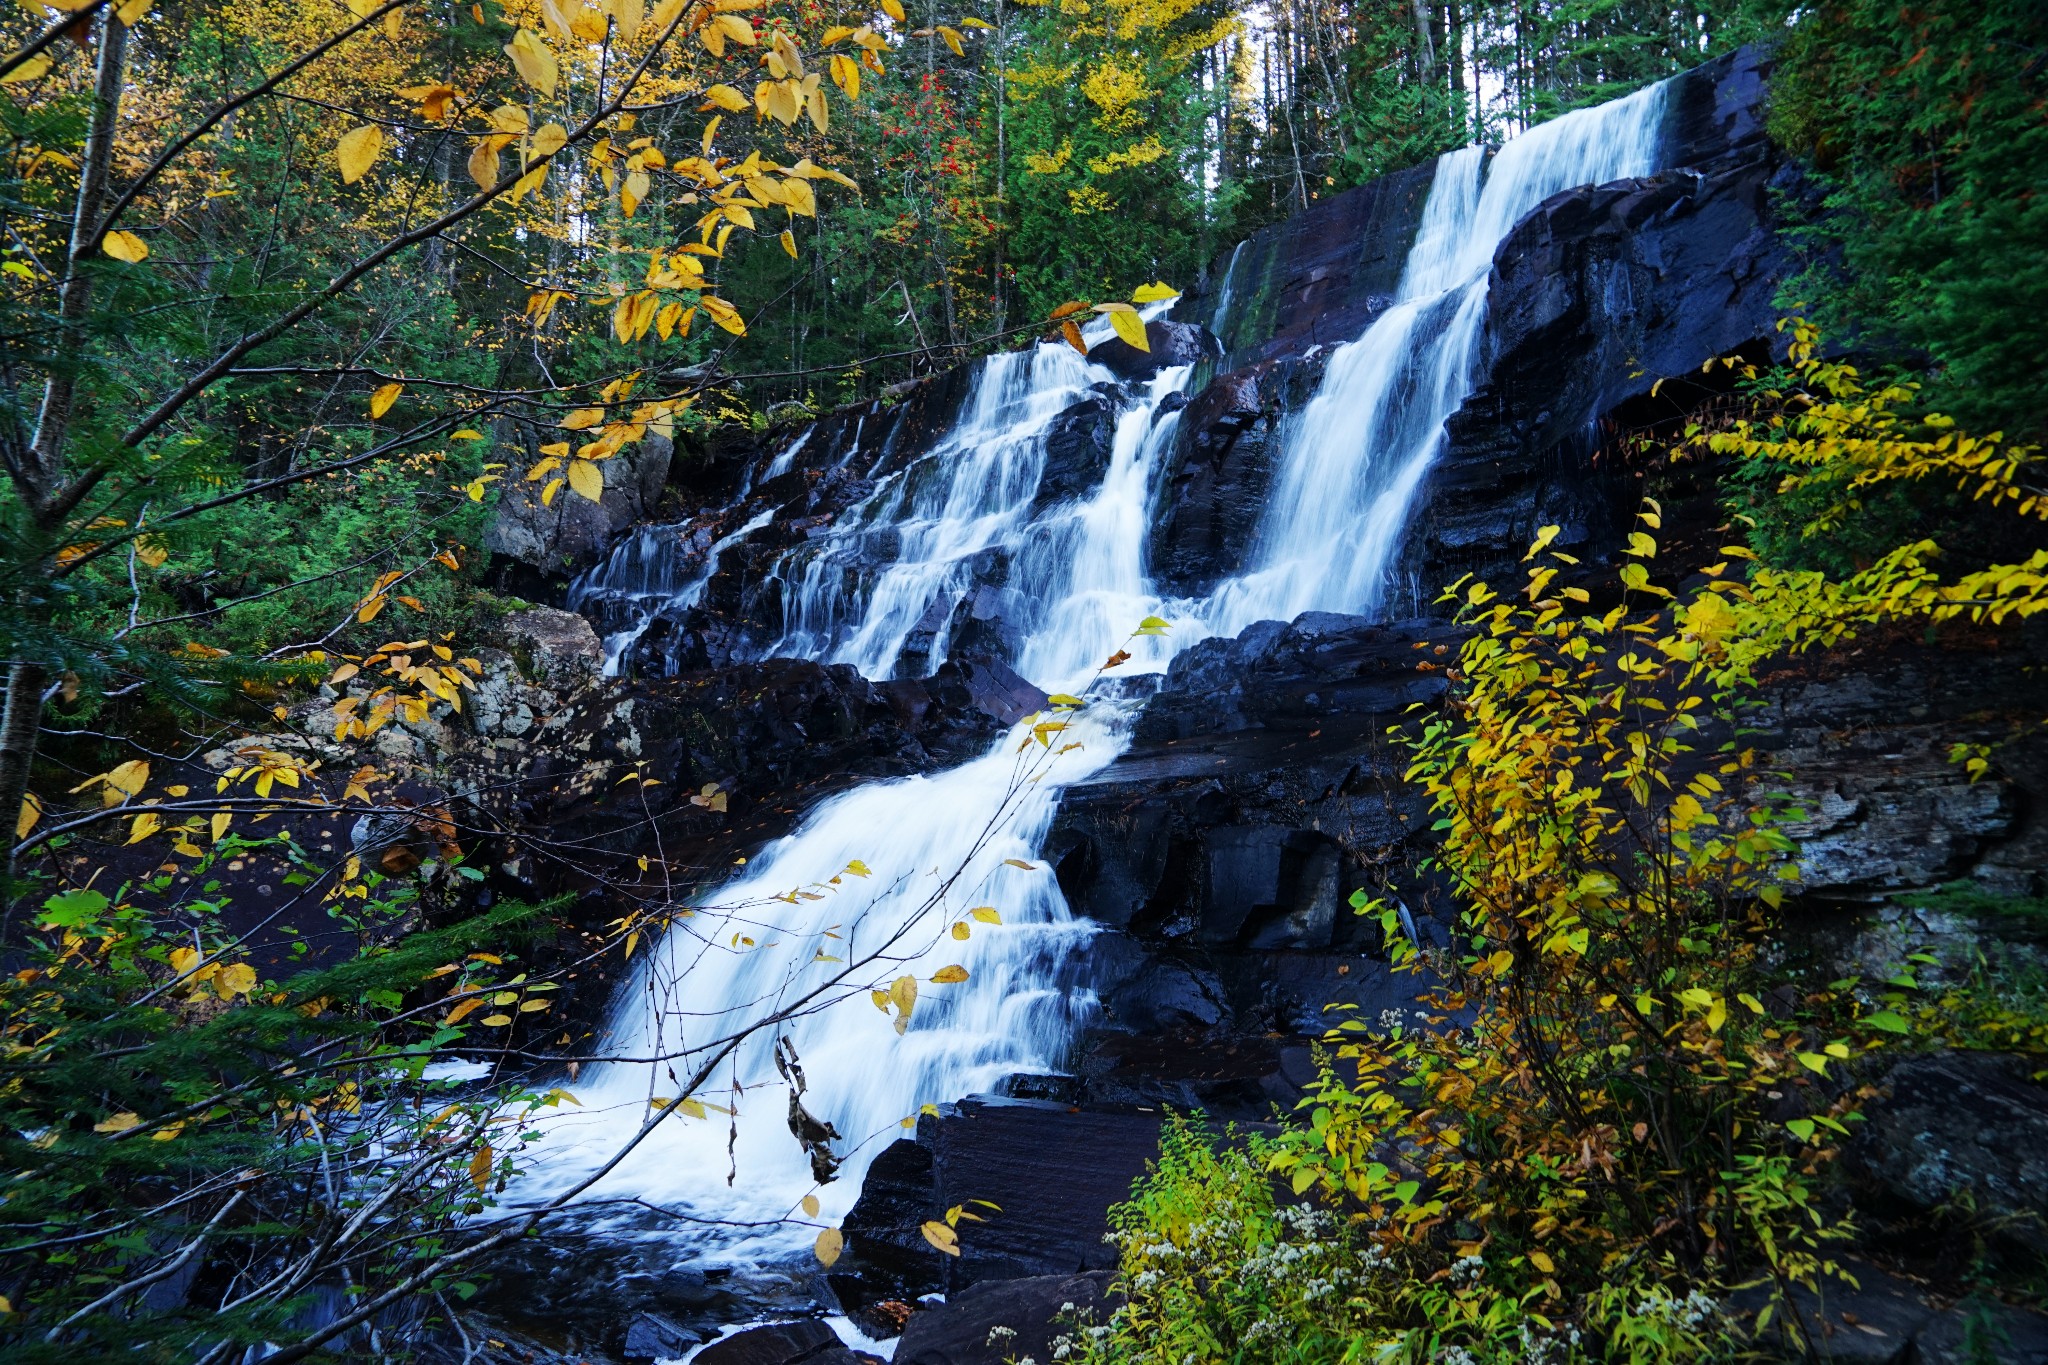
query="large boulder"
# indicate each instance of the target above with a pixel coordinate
(571, 532)
(1170, 343)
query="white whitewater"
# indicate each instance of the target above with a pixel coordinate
(1355, 454)
(936, 846)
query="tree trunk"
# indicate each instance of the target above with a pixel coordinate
(42, 476)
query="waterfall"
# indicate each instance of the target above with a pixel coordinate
(1352, 459)
(934, 847)
(644, 575)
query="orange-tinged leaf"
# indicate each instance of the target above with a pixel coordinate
(1073, 336)
(480, 1168)
(952, 40)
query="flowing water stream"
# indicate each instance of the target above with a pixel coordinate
(936, 846)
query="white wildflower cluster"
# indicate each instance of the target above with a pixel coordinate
(1455, 1355)
(1692, 1312)
(1548, 1349)
(1062, 1346)
(999, 1336)
(1467, 1270)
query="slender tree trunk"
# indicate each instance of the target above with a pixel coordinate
(1425, 50)
(42, 476)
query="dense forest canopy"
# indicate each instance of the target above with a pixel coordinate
(293, 293)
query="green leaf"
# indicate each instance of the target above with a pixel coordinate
(1889, 1022)
(73, 909)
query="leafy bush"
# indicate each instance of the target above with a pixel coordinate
(1621, 1103)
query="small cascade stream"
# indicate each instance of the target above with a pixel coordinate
(935, 846)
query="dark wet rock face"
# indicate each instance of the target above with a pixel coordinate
(1169, 344)
(808, 1342)
(1052, 1171)
(1959, 1130)
(993, 1323)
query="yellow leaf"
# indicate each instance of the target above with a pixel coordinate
(483, 163)
(828, 1246)
(1153, 293)
(724, 314)
(586, 479)
(383, 398)
(725, 97)
(31, 811)
(800, 197)
(549, 139)
(495, 1020)
(987, 914)
(952, 39)
(903, 994)
(238, 979)
(509, 118)
(1542, 1263)
(125, 246)
(529, 182)
(788, 240)
(961, 931)
(119, 1123)
(357, 151)
(736, 29)
(950, 976)
(894, 9)
(221, 821)
(810, 1205)
(1131, 328)
(1019, 862)
(630, 14)
(144, 825)
(534, 62)
(740, 216)
(635, 192)
(480, 1167)
(29, 70)
(935, 1232)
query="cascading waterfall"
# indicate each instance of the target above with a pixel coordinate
(1355, 454)
(937, 845)
(645, 574)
